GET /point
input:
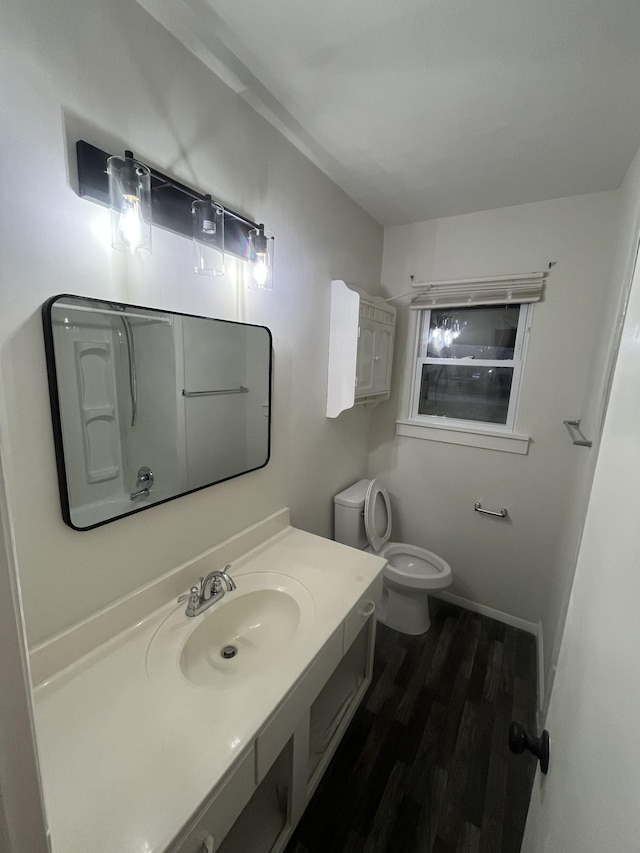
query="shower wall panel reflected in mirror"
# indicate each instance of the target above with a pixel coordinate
(150, 405)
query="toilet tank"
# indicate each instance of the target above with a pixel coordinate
(348, 515)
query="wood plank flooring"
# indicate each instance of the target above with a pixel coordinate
(425, 766)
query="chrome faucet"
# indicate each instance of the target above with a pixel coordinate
(200, 598)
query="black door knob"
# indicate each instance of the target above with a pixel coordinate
(520, 740)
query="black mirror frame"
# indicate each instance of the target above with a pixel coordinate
(56, 420)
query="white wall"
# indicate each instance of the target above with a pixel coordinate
(509, 566)
(589, 801)
(112, 75)
(602, 364)
(22, 819)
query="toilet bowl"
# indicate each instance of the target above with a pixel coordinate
(410, 574)
(362, 516)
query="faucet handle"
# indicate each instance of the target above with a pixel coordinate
(145, 476)
(193, 595)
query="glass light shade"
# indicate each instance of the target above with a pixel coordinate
(208, 237)
(130, 202)
(261, 259)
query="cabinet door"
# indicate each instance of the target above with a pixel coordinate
(382, 352)
(277, 731)
(218, 817)
(263, 821)
(364, 362)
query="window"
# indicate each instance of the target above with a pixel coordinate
(465, 359)
(468, 363)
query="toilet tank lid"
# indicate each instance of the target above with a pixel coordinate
(354, 495)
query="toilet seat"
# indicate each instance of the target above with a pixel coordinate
(377, 515)
(413, 567)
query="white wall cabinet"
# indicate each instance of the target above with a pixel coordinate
(260, 801)
(361, 334)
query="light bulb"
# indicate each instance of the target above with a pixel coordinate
(130, 227)
(261, 259)
(260, 270)
(130, 203)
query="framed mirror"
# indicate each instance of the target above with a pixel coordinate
(150, 405)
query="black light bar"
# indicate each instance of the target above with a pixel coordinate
(170, 200)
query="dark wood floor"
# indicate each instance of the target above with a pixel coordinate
(425, 766)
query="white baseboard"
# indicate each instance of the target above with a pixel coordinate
(508, 619)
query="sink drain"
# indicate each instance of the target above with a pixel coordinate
(229, 652)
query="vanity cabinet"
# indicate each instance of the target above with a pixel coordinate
(231, 756)
(258, 805)
(361, 335)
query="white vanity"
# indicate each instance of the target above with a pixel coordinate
(151, 740)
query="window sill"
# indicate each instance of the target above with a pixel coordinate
(487, 439)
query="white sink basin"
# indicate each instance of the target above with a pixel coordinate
(243, 635)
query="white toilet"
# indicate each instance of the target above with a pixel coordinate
(362, 515)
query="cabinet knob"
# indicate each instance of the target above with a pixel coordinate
(207, 845)
(368, 607)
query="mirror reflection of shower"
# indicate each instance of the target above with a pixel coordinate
(135, 388)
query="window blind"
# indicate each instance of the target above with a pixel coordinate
(503, 290)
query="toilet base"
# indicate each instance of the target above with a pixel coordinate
(408, 614)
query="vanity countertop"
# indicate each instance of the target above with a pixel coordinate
(126, 761)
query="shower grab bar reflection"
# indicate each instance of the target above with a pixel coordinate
(574, 430)
(502, 514)
(240, 390)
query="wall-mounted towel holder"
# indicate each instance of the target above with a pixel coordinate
(576, 434)
(241, 389)
(502, 514)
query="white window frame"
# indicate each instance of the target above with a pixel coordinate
(483, 434)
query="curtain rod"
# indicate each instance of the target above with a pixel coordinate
(425, 286)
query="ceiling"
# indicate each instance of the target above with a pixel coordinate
(429, 108)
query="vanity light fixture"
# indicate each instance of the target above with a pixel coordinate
(130, 202)
(208, 236)
(139, 189)
(261, 259)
